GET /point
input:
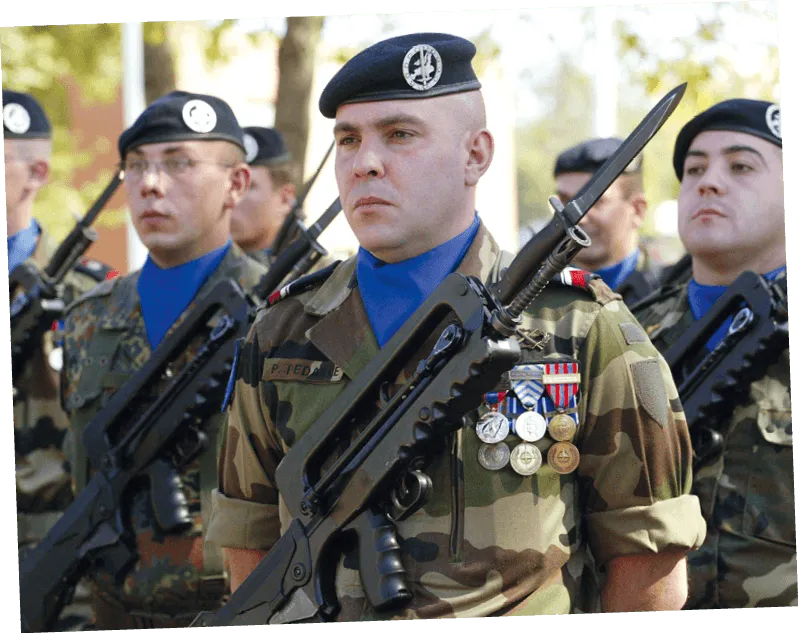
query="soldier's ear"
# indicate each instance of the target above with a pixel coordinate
(640, 207)
(480, 156)
(240, 179)
(39, 173)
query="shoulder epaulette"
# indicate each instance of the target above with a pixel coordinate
(96, 270)
(302, 284)
(102, 289)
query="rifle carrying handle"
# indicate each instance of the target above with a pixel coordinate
(382, 574)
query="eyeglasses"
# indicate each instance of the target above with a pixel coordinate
(135, 168)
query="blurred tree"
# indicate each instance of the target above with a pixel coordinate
(566, 119)
(51, 63)
(704, 58)
(159, 61)
(296, 63)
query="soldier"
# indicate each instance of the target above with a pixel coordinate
(183, 161)
(43, 489)
(496, 538)
(614, 224)
(257, 219)
(731, 219)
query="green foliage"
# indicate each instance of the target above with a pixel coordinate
(49, 62)
(703, 57)
(567, 120)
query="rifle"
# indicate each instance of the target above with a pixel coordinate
(36, 299)
(138, 433)
(378, 478)
(292, 224)
(300, 256)
(711, 387)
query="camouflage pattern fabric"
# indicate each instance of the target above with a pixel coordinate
(747, 495)
(43, 488)
(167, 581)
(487, 542)
(43, 484)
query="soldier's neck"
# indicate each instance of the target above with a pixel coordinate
(723, 270)
(19, 219)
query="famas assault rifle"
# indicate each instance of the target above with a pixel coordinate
(150, 427)
(378, 478)
(35, 295)
(712, 384)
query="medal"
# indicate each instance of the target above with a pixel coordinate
(530, 426)
(493, 427)
(493, 456)
(563, 457)
(562, 428)
(526, 459)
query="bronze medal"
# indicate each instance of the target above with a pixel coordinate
(562, 428)
(563, 457)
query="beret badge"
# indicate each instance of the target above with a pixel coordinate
(251, 146)
(16, 118)
(199, 116)
(773, 119)
(422, 67)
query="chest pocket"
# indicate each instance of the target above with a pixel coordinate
(757, 480)
(95, 383)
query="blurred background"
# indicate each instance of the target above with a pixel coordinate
(551, 78)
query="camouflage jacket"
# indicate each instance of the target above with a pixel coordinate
(43, 488)
(105, 342)
(487, 542)
(747, 495)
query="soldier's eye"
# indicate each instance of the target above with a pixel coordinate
(695, 170)
(136, 166)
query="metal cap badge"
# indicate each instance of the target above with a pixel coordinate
(422, 67)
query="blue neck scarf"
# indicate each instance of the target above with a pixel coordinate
(21, 245)
(392, 292)
(701, 298)
(166, 292)
(616, 274)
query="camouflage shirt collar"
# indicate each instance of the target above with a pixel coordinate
(479, 261)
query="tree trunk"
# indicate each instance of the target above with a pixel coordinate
(296, 62)
(159, 70)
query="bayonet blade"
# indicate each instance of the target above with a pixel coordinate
(625, 154)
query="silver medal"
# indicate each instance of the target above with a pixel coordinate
(530, 426)
(493, 427)
(526, 459)
(493, 456)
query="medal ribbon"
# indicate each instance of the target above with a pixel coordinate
(561, 393)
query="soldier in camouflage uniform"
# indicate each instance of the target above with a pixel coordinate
(731, 219)
(257, 219)
(43, 488)
(410, 152)
(614, 224)
(184, 168)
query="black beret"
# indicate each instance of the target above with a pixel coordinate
(23, 117)
(412, 66)
(759, 118)
(183, 116)
(590, 155)
(265, 146)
